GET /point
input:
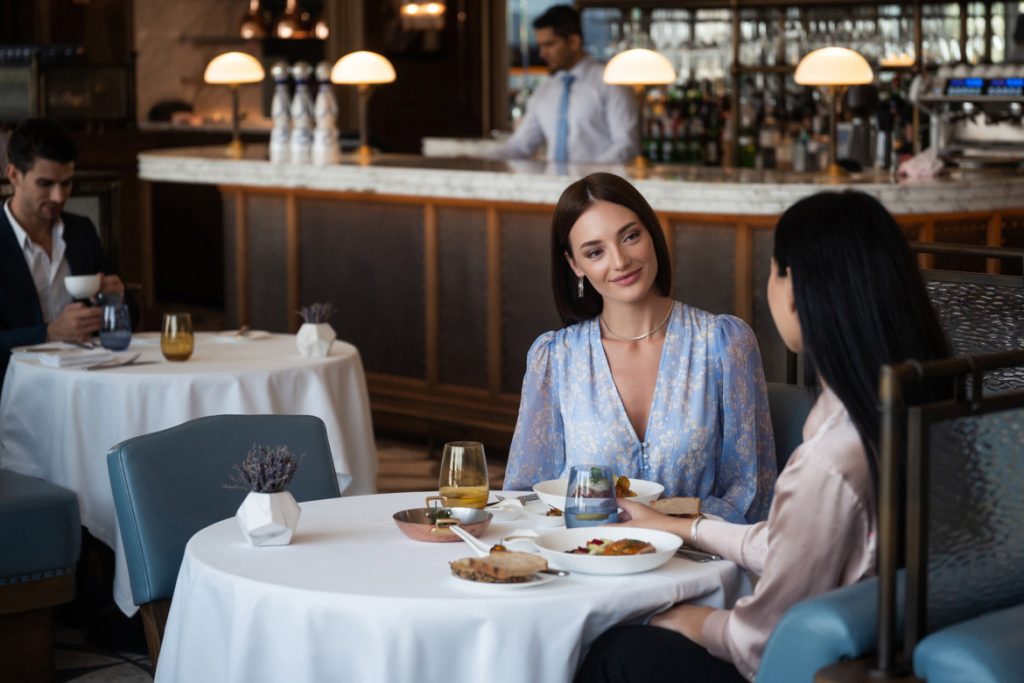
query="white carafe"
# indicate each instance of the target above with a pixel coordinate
(280, 133)
(325, 137)
(302, 115)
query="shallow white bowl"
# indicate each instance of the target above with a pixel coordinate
(82, 286)
(552, 491)
(553, 544)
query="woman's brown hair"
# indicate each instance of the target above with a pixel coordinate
(575, 200)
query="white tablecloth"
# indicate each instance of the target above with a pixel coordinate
(352, 599)
(59, 423)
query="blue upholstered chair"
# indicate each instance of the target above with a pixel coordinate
(789, 405)
(986, 649)
(170, 484)
(40, 538)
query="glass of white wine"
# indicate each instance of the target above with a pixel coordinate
(463, 481)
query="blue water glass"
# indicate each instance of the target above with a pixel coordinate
(590, 496)
(116, 328)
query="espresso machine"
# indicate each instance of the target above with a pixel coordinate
(976, 114)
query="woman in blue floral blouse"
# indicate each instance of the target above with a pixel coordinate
(654, 388)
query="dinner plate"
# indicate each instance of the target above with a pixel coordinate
(537, 580)
(232, 336)
(553, 544)
(552, 491)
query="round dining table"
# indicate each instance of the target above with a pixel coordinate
(353, 599)
(58, 423)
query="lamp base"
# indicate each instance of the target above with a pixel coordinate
(363, 154)
(836, 171)
(235, 149)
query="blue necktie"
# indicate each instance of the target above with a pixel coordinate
(562, 129)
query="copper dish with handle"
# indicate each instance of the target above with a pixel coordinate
(431, 523)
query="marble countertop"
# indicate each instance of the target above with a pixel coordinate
(669, 188)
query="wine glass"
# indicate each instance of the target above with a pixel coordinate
(463, 481)
(176, 340)
(590, 496)
(116, 328)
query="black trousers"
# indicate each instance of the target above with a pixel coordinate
(647, 654)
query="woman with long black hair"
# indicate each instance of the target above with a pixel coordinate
(845, 290)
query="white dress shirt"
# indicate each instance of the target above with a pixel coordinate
(48, 271)
(602, 119)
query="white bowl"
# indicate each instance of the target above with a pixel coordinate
(552, 491)
(82, 286)
(553, 544)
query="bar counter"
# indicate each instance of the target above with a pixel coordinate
(440, 267)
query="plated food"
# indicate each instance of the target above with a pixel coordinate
(607, 546)
(552, 492)
(557, 548)
(431, 523)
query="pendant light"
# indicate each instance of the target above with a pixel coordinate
(290, 24)
(254, 23)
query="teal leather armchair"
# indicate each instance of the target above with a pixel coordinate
(170, 484)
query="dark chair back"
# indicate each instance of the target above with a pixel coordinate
(789, 405)
(170, 484)
(980, 312)
(963, 463)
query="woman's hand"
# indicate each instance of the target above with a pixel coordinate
(646, 517)
(686, 619)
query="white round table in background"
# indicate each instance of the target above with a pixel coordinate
(353, 599)
(59, 423)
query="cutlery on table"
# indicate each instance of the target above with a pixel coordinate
(697, 555)
(529, 497)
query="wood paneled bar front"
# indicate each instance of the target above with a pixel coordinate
(440, 268)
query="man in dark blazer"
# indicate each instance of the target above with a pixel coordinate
(40, 244)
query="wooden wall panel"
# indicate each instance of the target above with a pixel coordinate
(528, 308)
(367, 259)
(773, 351)
(462, 333)
(268, 270)
(704, 261)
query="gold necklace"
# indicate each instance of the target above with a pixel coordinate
(642, 336)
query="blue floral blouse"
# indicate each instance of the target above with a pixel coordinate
(709, 433)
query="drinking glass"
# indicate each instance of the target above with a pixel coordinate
(463, 481)
(176, 340)
(116, 328)
(590, 496)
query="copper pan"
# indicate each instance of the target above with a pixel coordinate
(430, 524)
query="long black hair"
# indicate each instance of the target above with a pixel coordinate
(859, 297)
(575, 200)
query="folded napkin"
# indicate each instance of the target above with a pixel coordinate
(921, 166)
(70, 358)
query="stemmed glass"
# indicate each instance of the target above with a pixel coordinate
(590, 496)
(116, 328)
(176, 340)
(463, 480)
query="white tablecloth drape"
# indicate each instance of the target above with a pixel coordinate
(352, 599)
(59, 423)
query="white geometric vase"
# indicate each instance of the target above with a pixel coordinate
(314, 339)
(268, 518)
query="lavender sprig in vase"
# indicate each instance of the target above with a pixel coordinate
(269, 515)
(315, 337)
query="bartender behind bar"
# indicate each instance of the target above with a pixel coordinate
(580, 117)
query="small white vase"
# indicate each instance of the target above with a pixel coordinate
(314, 340)
(268, 518)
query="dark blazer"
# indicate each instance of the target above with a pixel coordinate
(21, 316)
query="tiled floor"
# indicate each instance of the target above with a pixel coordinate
(76, 660)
